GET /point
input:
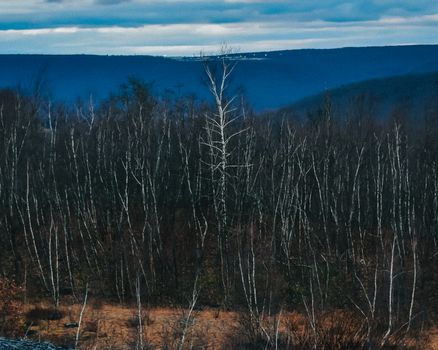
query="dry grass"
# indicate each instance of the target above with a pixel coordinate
(11, 307)
(114, 326)
(433, 339)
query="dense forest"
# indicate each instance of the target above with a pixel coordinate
(178, 200)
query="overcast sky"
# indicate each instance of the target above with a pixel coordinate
(187, 27)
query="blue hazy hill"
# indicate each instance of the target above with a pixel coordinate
(268, 79)
(413, 94)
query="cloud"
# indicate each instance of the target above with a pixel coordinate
(177, 27)
(172, 39)
(129, 12)
(110, 2)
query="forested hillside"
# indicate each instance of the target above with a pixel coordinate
(413, 96)
(269, 80)
(173, 200)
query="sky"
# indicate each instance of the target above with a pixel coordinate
(189, 27)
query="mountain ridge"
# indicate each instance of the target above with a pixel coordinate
(270, 80)
(413, 93)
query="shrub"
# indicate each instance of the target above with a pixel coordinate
(42, 313)
(146, 319)
(91, 326)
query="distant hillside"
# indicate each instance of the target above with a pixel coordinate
(270, 80)
(410, 94)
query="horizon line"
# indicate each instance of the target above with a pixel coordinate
(233, 53)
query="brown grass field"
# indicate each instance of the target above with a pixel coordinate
(108, 325)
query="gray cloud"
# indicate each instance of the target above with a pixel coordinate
(110, 2)
(129, 12)
(185, 26)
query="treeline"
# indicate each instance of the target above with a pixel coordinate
(177, 200)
